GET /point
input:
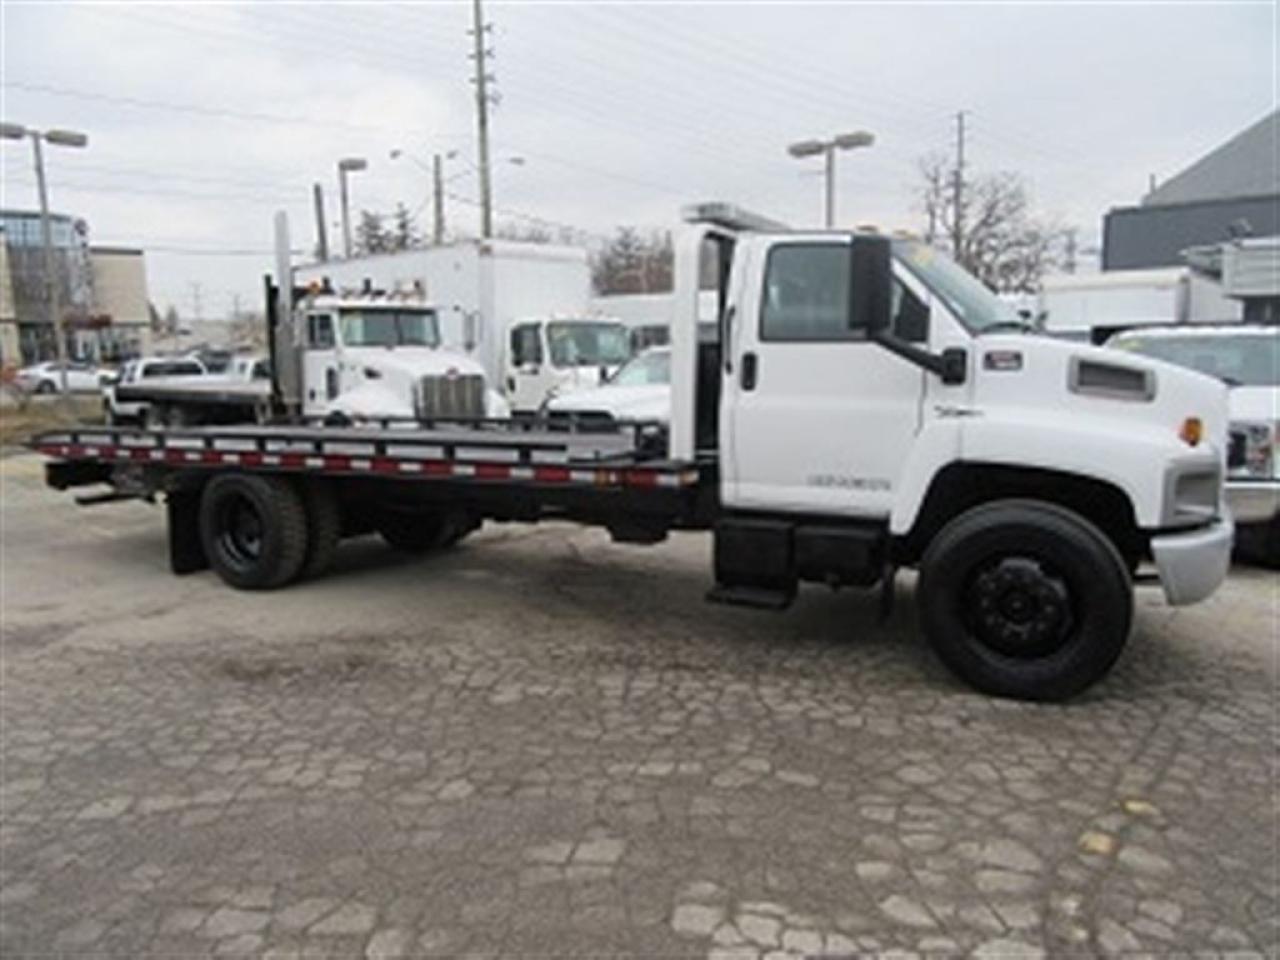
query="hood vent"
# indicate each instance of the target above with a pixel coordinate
(1115, 381)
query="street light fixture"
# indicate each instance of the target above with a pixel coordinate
(59, 138)
(345, 166)
(827, 149)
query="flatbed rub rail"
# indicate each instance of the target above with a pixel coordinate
(347, 452)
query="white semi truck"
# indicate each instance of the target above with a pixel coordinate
(354, 356)
(867, 406)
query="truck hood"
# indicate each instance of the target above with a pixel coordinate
(1048, 377)
(648, 402)
(413, 361)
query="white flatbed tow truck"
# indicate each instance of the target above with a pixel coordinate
(867, 406)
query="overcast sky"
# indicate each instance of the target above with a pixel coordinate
(204, 118)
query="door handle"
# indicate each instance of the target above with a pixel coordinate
(749, 364)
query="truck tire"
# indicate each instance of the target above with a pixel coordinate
(254, 530)
(324, 527)
(1025, 599)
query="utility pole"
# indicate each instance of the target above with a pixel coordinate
(957, 191)
(322, 234)
(481, 79)
(437, 189)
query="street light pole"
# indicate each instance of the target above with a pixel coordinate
(345, 166)
(828, 148)
(60, 138)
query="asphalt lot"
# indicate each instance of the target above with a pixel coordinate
(543, 744)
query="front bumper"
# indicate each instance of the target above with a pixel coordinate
(1193, 563)
(1253, 501)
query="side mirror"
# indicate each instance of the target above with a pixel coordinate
(955, 366)
(871, 285)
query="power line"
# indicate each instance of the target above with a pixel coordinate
(149, 104)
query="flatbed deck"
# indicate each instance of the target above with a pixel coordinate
(493, 451)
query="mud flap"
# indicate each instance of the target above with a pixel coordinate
(186, 551)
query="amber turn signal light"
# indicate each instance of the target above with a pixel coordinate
(1192, 431)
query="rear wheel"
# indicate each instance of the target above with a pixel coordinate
(1025, 599)
(254, 530)
(414, 532)
(46, 386)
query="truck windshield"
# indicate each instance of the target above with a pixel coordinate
(585, 344)
(389, 328)
(964, 294)
(642, 371)
(1240, 360)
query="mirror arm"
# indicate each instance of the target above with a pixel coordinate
(909, 352)
(935, 363)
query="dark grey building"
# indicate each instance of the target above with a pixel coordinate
(1236, 185)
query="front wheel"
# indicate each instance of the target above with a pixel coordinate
(253, 529)
(1025, 599)
(46, 387)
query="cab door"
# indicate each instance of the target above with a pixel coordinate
(527, 375)
(319, 364)
(821, 418)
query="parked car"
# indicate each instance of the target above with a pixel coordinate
(1247, 358)
(144, 368)
(640, 390)
(47, 377)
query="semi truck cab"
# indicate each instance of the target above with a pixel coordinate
(380, 356)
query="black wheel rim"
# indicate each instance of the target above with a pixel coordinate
(240, 531)
(1019, 605)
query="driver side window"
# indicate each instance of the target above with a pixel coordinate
(320, 331)
(910, 314)
(526, 345)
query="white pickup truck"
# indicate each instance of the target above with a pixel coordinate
(866, 406)
(1246, 357)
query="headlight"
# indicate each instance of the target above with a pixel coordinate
(1252, 452)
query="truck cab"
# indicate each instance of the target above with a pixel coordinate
(546, 356)
(872, 405)
(378, 356)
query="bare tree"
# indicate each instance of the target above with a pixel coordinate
(371, 234)
(634, 263)
(993, 233)
(404, 230)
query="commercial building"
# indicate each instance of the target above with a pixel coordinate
(1231, 192)
(101, 292)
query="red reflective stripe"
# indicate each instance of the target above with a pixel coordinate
(137, 454)
(337, 463)
(437, 468)
(641, 478)
(251, 459)
(492, 471)
(293, 459)
(384, 465)
(551, 474)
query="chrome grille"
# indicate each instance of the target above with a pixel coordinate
(457, 395)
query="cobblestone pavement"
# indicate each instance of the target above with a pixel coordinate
(542, 744)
